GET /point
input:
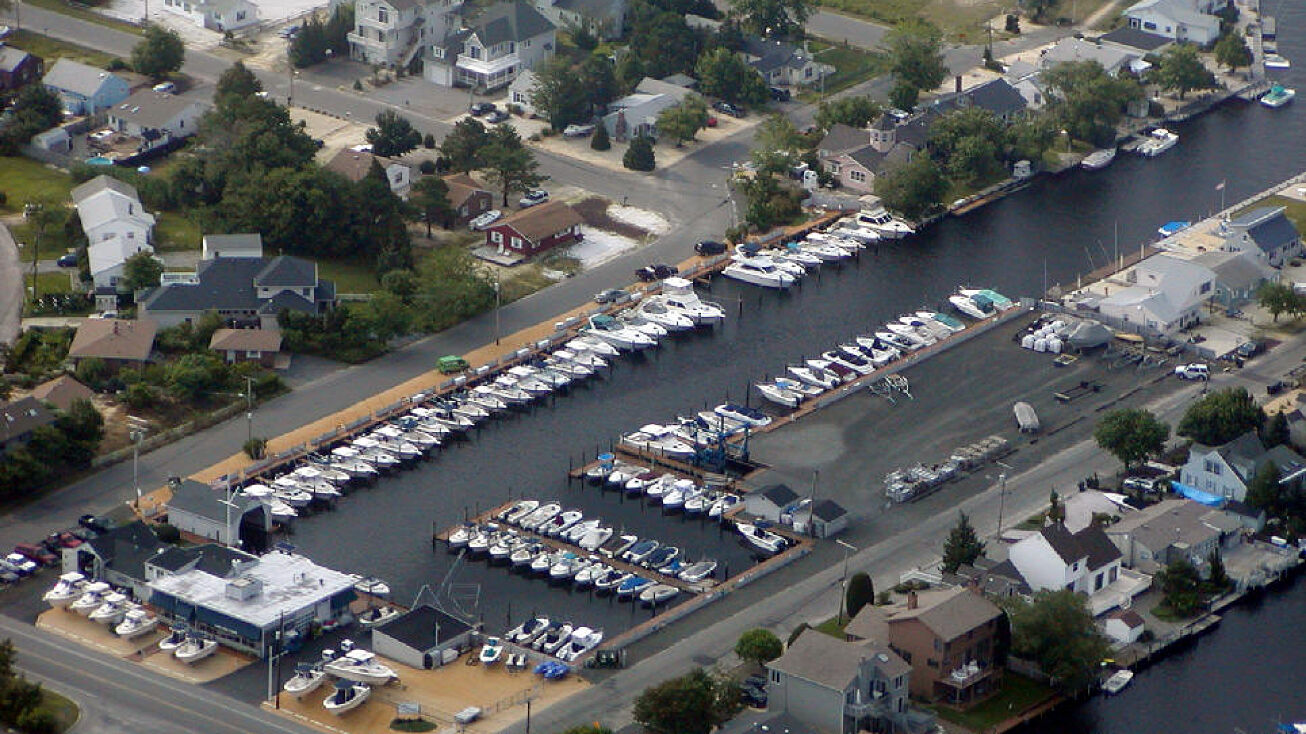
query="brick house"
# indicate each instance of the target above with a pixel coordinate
(468, 198)
(534, 230)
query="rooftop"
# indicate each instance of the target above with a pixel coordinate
(1090, 543)
(842, 138)
(209, 558)
(246, 340)
(11, 58)
(779, 494)
(948, 613)
(1135, 39)
(76, 77)
(509, 21)
(62, 391)
(150, 109)
(834, 663)
(114, 339)
(422, 628)
(22, 415)
(543, 220)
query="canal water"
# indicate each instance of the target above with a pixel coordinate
(1051, 232)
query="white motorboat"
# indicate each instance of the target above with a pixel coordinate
(881, 222)
(880, 352)
(675, 498)
(485, 399)
(641, 550)
(853, 230)
(968, 306)
(792, 267)
(779, 395)
(559, 523)
(634, 320)
(591, 573)
(659, 439)
(632, 586)
(70, 586)
(926, 325)
(855, 362)
(668, 317)
(812, 376)
(92, 598)
(524, 554)
(837, 239)
(625, 338)
(195, 649)
(948, 322)
(657, 593)
(696, 572)
(541, 564)
(910, 334)
(744, 414)
(761, 538)
(581, 358)
(470, 410)
(759, 271)
(570, 369)
(480, 543)
(307, 678)
(679, 294)
(361, 666)
(507, 391)
(824, 251)
(174, 640)
(347, 696)
(503, 546)
(1275, 61)
(1098, 159)
(583, 639)
(1278, 96)
(593, 345)
(540, 516)
(377, 616)
(844, 374)
(519, 510)
(697, 503)
(491, 651)
(595, 538)
(565, 566)
(612, 579)
(524, 633)
(370, 585)
(999, 301)
(554, 638)
(1157, 142)
(1117, 682)
(795, 254)
(112, 610)
(135, 623)
(722, 504)
(533, 386)
(578, 530)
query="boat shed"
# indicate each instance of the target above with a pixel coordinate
(117, 556)
(419, 637)
(823, 519)
(771, 501)
(203, 511)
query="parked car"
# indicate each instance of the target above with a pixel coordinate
(55, 541)
(21, 565)
(711, 121)
(780, 94)
(165, 88)
(92, 523)
(611, 295)
(659, 271)
(1142, 484)
(1250, 349)
(486, 219)
(482, 108)
(753, 695)
(289, 31)
(531, 198)
(710, 247)
(67, 260)
(577, 131)
(497, 116)
(726, 108)
(36, 553)
(1192, 372)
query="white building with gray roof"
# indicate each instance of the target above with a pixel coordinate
(116, 226)
(603, 18)
(215, 15)
(487, 51)
(1182, 20)
(840, 686)
(157, 119)
(1266, 233)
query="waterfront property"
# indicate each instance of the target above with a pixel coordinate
(1162, 293)
(1174, 529)
(771, 501)
(856, 156)
(420, 637)
(822, 519)
(205, 512)
(1266, 233)
(636, 114)
(247, 345)
(1182, 20)
(1226, 470)
(1123, 626)
(535, 230)
(117, 556)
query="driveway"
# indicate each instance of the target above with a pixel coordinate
(11, 288)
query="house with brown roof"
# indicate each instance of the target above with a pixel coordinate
(534, 230)
(356, 164)
(18, 418)
(468, 198)
(947, 637)
(62, 392)
(840, 686)
(1123, 626)
(247, 345)
(116, 341)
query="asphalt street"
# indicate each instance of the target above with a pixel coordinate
(11, 288)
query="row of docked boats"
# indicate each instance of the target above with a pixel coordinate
(672, 492)
(563, 640)
(677, 308)
(684, 439)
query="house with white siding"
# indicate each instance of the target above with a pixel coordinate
(1227, 469)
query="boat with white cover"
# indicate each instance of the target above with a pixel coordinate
(695, 572)
(92, 598)
(361, 666)
(779, 395)
(347, 696)
(657, 593)
(615, 333)
(66, 590)
(583, 639)
(659, 439)
(527, 631)
(1098, 159)
(592, 344)
(112, 610)
(812, 376)
(135, 623)
(744, 414)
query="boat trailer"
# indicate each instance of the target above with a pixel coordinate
(886, 387)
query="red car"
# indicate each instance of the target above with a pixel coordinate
(62, 540)
(36, 553)
(711, 121)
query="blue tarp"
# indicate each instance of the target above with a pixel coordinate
(1197, 495)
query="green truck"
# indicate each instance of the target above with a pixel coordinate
(449, 364)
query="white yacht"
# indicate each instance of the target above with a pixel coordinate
(779, 395)
(582, 640)
(377, 616)
(348, 695)
(195, 649)
(135, 623)
(527, 631)
(970, 307)
(610, 330)
(581, 358)
(91, 599)
(66, 590)
(657, 311)
(760, 271)
(111, 611)
(881, 222)
(679, 294)
(361, 666)
(1098, 159)
(659, 439)
(1157, 142)
(761, 538)
(637, 321)
(307, 678)
(592, 344)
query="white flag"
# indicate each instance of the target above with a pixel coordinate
(1219, 186)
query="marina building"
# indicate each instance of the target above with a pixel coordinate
(420, 637)
(206, 512)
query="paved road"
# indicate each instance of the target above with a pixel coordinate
(11, 288)
(840, 27)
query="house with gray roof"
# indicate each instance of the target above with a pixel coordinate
(210, 558)
(1161, 295)
(156, 119)
(117, 556)
(783, 64)
(770, 502)
(18, 68)
(1136, 40)
(1112, 58)
(1182, 20)
(419, 637)
(85, 90)
(1265, 232)
(18, 418)
(1174, 529)
(855, 157)
(603, 18)
(487, 50)
(1237, 276)
(840, 686)
(636, 114)
(215, 15)
(1226, 470)
(116, 226)
(392, 33)
(1055, 558)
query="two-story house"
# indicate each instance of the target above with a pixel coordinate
(355, 165)
(1226, 470)
(603, 18)
(392, 33)
(116, 226)
(1055, 558)
(215, 15)
(840, 686)
(85, 90)
(156, 119)
(492, 47)
(1265, 233)
(1182, 20)
(946, 636)
(1162, 294)
(855, 157)
(18, 68)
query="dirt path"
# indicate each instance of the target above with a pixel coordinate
(1096, 17)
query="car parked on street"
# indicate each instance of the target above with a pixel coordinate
(36, 553)
(67, 260)
(611, 295)
(1142, 484)
(650, 273)
(486, 219)
(726, 108)
(497, 116)
(21, 565)
(577, 131)
(531, 198)
(780, 94)
(1193, 371)
(481, 108)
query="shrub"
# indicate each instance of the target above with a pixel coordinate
(428, 142)
(639, 156)
(358, 85)
(167, 533)
(116, 65)
(426, 167)
(600, 140)
(255, 448)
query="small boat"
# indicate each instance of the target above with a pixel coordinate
(880, 221)
(69, 587)
(631, 587)
(680, 491)
(697, 503)
(595, 538)
(744, 414)
(135, 623)
(657, 593)
(377, 616)
(566, 566)
(1278, 96)
(855, 231)
(524, 633)
(544, 561)
(762, 539)
(371, 585)
(1275, 61)
(779, 395)
(1117, 682)
(307, 678)
(818, 378)
(696, 572)
(612, 579)
(1098, 159)
(540, 516)
(348, 695)
(552, 670)
(553, 639)
(1157, 142)
(721, 505)
(560, 523)
(615, 333)
(844, 374)
(620, 545)
(999, 301)
(591, 573)
(361, 666)
(582, 640)
(661, 557)
(679, 294)
(971, 307)
(92, 598)
(195, 648)
(1172, 228)
(949, 323)
(659, 439)
(641, 550)
(760, 271)
(592, 345)
(578, 531)
(462, 535)
(174, 639)
(524, 554)
(857, 363)
(491, 651)
(671, 319)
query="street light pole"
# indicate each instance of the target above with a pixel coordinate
(249, 409)
(496, 308)
(843, 591)
(1002, 496)
(136, 428)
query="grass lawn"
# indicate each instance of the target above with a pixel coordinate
(50, 282)
(175, 232)
(833, 627)
(84, 13)
(1296, 210)
(1018, 694)
(962, 21)
(50, 48)
(851, 65)
(23, 180)
(522, 281)
(53, 242)
(349, 277)
(64, 709)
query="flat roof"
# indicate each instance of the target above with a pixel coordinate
(290, 583)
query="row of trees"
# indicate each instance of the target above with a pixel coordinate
(1135, 434)
(497, 151)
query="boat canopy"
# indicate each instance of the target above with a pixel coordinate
(1089, 334)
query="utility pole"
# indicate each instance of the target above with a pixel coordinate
(249, 409)
(496, 308)
(136, 430)
(1002, 495)
(843, 585)
(816, 477)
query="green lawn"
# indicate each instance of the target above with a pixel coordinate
(833, 627)
(50, 49)
(64, 709)
(50, 282)
(84, 13)
(23, 180)
(1018, 694)
(1296, 209)
(852, 65)
(175, 232)
(349, 277)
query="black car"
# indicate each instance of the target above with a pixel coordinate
(780, 94)
(726, 108)
(67, 260)
(496, 116)
(753, 695)
(710, 247)
(481, 108)
(656, 272)
(1250, 349)
(92, 523)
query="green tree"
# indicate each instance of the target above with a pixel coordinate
(600, 141)
(776, 145)
(1037, 9)
(1181, 70)
(1086, 101)
(968, 142)
(639, 156)
(768, 203)
(759, 646)
(724, 74)
(237, 83)
(309, 46)
(682, 121)
(914, 189)
(860, 592)
(916, 54)
(380, 222)
(856, 111)
(599, 80)
(464, 146)
(509, 163)
(1217, 581)
(1264, 491)
(903, 95)
(159, 53)
(1221, 416)
(140, 271)
(403, 284)
(1181, 586)
(1057, 631)
(663, 43)
(1232, 51)
(559, 94)
(771, 18)
(1056, 509)
(1276, 431)
(1131, 434)
(629, 70)
(337, 30)
(1277, 298)
(34, 110)
(694, 703)
(393, 135)
(963, 546)
(430, 201)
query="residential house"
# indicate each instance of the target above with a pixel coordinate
(520, 91)
(1027, 80)
(770, 502)
(117, 557)
(1123, 626)
(1226, 470)
(393, 33)
(1055, 558)
(1182, 20)
(215, 15)
(492, 47)
(636, 114)
(244, 291)
(116, 226)
(355, 165)
(855, 157)
(1173, 529)
(603, 18)
(156, 119)
(419, 637)
(1112, 58)
(18, 68)
(1266, 233)
(840, 686)
(467, 197)
(1238, 276)
(85, 90)
(62, 392)
(998, 96)
(1135, 40)
(783, 64)
(995, 580)
(1163, 294)
(948, 637)
(534, 230)
(247, 345)
(216, 514)
(214, 246)
(118, 342)
(19, 418)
